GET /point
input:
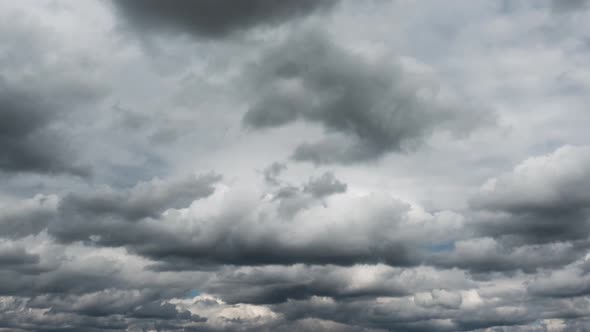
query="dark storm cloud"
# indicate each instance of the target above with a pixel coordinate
(28, 142)
(400, 314)
(272, 293)
(40, 92)
(230, 248)
(214, 18)
(368, 107)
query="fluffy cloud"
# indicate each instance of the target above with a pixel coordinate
(369, 107)
(543, 199)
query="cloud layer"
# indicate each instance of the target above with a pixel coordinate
(294, 166)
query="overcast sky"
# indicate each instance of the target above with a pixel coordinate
(295, 165)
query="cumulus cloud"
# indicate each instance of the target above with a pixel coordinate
(257, 165)
(542, 199)
(109, 216)
(372, 106)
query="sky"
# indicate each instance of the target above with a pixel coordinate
(295, 165)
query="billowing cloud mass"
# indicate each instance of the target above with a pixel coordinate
(368, 107)
(296, 166)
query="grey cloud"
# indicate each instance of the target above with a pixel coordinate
(214, 18)
(439, 297)
(27, 140)
(30, 317)
(80, 215)
(404, 314)
(39, 93)
(278, 284)
(109, 215)
(17, 259)
(543, 199)
(159, 310)
(325, 185)
(146, 199)
(244, 237)
(28, 216)
(367, 108)
(484, 255)
(570, 281)
(235, 85)
(563, 6)
(399, 314)
(106, 302)
(293, 199)
(272, 172)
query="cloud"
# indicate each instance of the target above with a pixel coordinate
(572, 280)
(110, 216)
(542, 199)
(563, 6)
(145, 199)
(27, 139)
(106, 107)
(17, 259)
(272, 172)
(39, 91)
(483, 255)
(294, 199)
(183, 224)
(324, 186)
(214, 19)
(29, 216)
(278, 284)
(245, 231)
(368, 108)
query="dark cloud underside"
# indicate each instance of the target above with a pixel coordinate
(28, 143)
(367, 108)
(214, 18)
